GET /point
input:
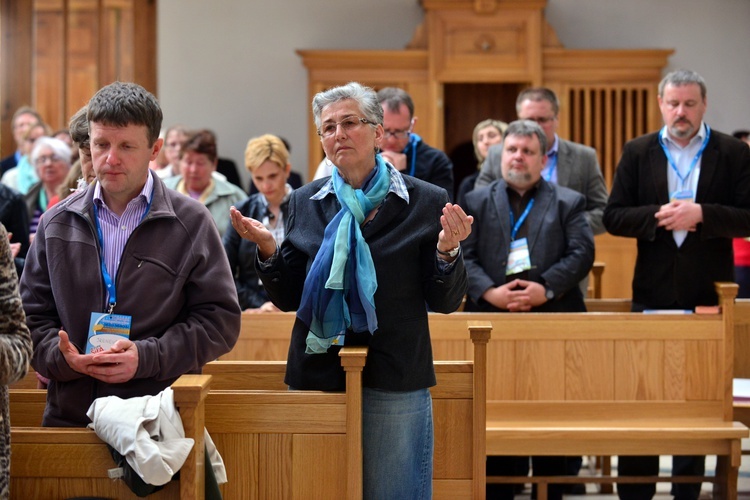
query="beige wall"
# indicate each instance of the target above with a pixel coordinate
(230, 65)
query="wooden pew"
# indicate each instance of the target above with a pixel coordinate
(73, 462)
(282, 424)
(267, 439)
(615, 384)
(458, 398)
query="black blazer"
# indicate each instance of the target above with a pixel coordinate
(561, 243)
(665, 275)
(402, 239)
(7, 163)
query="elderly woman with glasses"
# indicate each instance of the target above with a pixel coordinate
(367, 252)
(51, 158)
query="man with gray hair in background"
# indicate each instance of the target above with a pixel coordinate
(683, 192)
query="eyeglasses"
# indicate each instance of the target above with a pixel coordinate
(348, 124)
(541, 120)
(399, 134)
(41, 160)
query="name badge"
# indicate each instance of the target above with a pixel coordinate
(684, 195)
(106, 329)
(519, 259)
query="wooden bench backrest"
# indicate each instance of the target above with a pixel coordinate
(72, 462)
(285, 427)
(631, 365)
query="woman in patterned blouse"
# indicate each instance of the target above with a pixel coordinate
(15, 350)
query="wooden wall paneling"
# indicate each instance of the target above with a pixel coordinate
(501, 46)
(57, 53)
(82, 71)
(49, 61)
(116, 41)
(15, 65)
(145, 47)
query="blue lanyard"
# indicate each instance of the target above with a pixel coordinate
(673, 164)
(109, 284)
(517, 225)
(413, 141)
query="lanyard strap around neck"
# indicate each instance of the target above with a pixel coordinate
(109, 283)
(683, 179)
(413, 141)
(516, 225)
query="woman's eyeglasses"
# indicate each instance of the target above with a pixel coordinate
(347, 124)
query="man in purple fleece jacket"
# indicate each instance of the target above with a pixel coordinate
(129, 255)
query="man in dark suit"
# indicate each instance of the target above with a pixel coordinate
(23, 119)
(528, 250)
(569, 164)
(684, 193)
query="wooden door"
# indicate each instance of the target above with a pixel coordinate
(56, 54)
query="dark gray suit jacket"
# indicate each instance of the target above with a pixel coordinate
(577, 169)
(561, 244)
(402, 239)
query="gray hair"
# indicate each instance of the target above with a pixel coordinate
(683, 77)
(365, 97)
(527, 128)
(58, 147)
(393, 97)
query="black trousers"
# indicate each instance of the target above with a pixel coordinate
(693, 465)
(519, 466)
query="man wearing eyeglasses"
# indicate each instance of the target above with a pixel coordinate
(404, 149)
(569, 164)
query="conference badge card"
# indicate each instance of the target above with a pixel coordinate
(106, 329)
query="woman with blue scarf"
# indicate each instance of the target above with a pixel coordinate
(367, 252)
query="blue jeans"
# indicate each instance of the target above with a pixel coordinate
(397, 444)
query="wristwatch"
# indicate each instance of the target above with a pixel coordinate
(450, 253)
(549, 293)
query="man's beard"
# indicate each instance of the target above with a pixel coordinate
(518, 179)
(679, 133)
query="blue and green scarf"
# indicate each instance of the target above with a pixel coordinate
(339, 292)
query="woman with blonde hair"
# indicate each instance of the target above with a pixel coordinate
(486, 133)
(267, 159)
